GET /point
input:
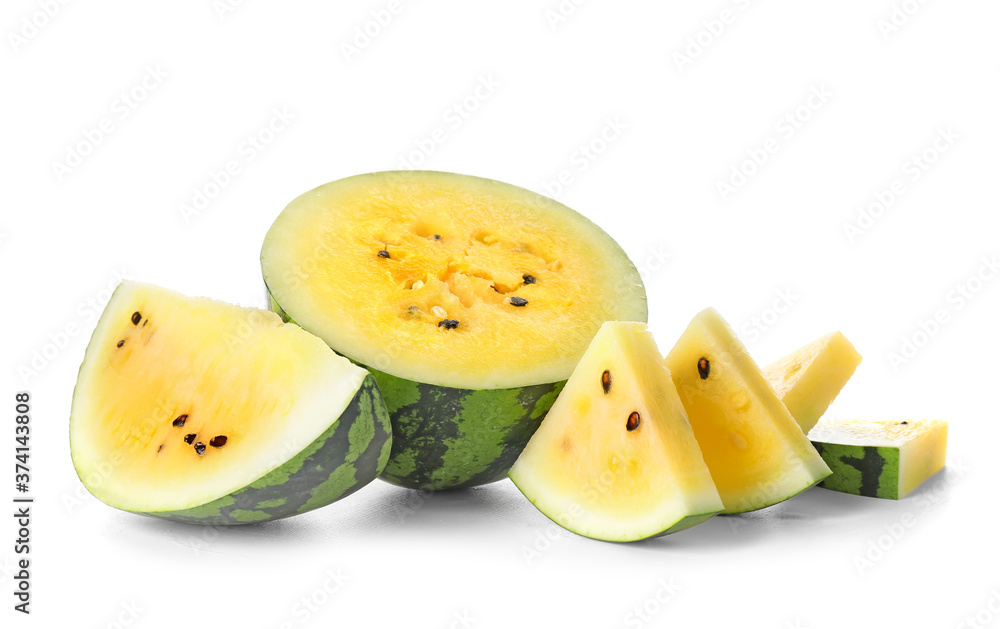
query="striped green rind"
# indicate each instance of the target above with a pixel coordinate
(687, 522)
(447, 438)
(450, 438)
(351, 453)
(861, 470)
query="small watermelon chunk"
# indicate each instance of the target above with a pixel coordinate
(882, 459)
(811, 377)
(755, 450)
(200, 411)
(615, 458)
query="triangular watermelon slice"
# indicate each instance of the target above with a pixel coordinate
(756, 451)
(616, 459)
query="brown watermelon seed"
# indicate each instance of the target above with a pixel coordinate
(160, 448)
(199, 448)
(383, 253)
(219, 441)
(189, 439)
(136, 318)
(903, 423)
(120, 343)
(704, 367)
(448, 324)
(633, 421)
(181, 420)
(606, 381)
(517, 301)
(529, 279)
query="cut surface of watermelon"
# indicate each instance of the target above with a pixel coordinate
(615, 458)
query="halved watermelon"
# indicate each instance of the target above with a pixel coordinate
(755, 450)
(199, 411)
(470, 300)
(882, 459)
(615, 459)
(810, 378)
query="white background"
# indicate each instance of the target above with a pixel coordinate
(673, 130)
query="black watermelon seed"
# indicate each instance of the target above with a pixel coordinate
(383, 254)
(529, 279)
(633, 421)
(903, 423)
(518, 301)
(606, 381)
(189, 439)
(219, 441)
(704, 367)
(448, 324)
(199, 448)
(136, 318)
(437, 236)
(120, 343)
(181, 420)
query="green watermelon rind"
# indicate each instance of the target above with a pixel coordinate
(450, 438)
(349, 454)
(454, 438)
(861, 470)
(688, 522)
